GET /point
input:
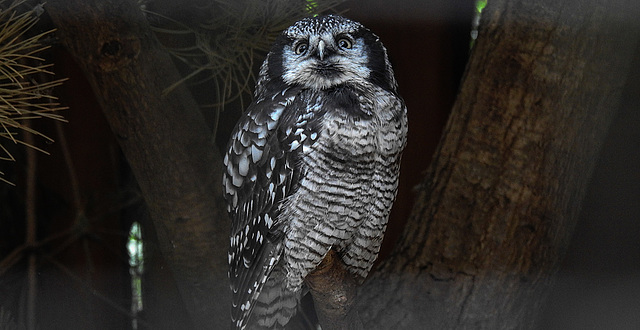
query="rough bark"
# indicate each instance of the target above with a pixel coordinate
(164, 139)
(496, 210)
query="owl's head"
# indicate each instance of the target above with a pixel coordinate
(324, 52)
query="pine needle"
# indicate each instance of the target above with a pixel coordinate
(22, 96)
(220, 42)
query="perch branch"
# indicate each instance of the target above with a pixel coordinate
(334, 291)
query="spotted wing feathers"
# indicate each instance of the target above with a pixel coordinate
(260, 173)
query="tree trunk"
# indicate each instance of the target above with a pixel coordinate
(496, 210)
(165, 140)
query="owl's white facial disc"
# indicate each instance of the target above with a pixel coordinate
(323, 53)
(325, 61)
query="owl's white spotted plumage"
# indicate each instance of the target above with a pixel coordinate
(312, 165)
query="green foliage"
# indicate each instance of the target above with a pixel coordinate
(135, 247)
(22, 96)
(480, 4)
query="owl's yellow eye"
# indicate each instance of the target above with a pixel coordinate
(301, 48)
(345, 43)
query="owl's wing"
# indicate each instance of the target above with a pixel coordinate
(260, 172)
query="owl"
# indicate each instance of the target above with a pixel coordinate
(311, 166)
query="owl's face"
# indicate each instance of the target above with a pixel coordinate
(328, 51)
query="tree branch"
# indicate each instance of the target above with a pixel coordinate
(164, 139)
(32, 229)
(499, 203)
(333, 290)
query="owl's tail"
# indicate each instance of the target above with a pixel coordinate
(275, 305)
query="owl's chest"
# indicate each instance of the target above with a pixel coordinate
(347, 170)
(380, 134)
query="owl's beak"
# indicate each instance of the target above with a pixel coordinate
(321, 46)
